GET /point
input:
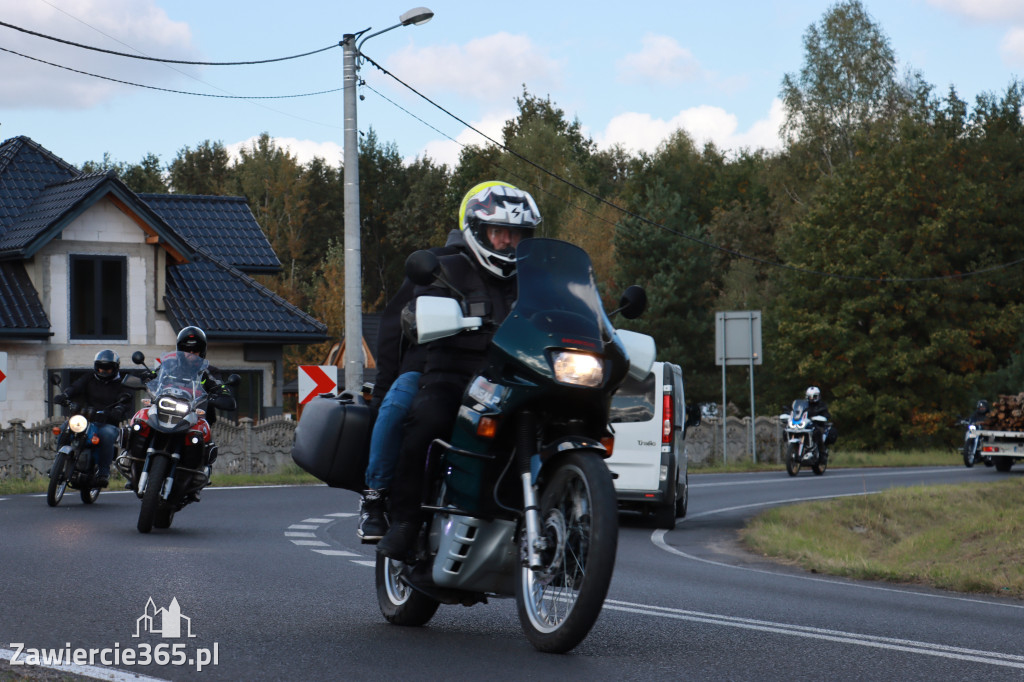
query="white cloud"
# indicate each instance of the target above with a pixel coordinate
(140, 24)
(489, 69)
(1012, 47)
(984, 10)
(642, 132)
(662, 60)
(303, 150)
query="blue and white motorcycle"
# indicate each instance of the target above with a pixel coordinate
(801, 450)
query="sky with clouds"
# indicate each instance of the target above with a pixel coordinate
(631, 73)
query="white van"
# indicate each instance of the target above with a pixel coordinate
(649, 461)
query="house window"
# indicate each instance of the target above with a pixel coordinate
(99, 297)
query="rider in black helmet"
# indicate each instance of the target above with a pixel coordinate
(105, 401)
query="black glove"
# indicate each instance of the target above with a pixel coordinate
(60, 399)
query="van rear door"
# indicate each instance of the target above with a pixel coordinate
(636, 417)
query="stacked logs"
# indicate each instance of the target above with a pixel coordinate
(1006, 414)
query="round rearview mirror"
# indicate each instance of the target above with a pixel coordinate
(422, 267)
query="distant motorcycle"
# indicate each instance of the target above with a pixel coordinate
(170, 447)
(801, 450)
(971, 446)
(75, 465)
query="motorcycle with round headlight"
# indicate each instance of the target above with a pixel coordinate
(75, 465)
(170, 445)
(521, 501)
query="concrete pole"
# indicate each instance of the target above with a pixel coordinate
(354, 361)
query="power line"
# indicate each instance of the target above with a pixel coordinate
(702, 242)
(158, 59)
(177, 92)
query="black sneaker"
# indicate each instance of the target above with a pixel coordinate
(373, 522)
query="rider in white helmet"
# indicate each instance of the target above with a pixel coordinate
(818, 407)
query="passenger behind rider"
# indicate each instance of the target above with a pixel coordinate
(399, 366)
(816, 407)
(193, 340)
(105, 401)
(493, 217)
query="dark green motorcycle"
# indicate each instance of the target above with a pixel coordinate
(523, 503)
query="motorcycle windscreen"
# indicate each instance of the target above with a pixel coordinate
(180, 376)
(799, 409)
(557, 297)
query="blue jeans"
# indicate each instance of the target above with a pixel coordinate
(105, 452)
(386, 439)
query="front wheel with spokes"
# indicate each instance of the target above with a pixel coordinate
(559, 603)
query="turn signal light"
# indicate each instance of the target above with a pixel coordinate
(487, 427)
(56, 430)
(609, 444)
(95, 440)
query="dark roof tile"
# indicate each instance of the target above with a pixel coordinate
(222, 225)
(229, 305)
(22, 314)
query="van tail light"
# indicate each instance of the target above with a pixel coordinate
(666, 416)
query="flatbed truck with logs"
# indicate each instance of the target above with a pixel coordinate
(1004, 447)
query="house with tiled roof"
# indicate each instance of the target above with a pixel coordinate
(88, 264)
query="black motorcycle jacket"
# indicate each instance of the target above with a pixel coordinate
(818, 409)
(218, 396)
(396, 354)
(112, 397)
(457, 358)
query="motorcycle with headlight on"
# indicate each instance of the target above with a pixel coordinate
(75, 465)
(801, 450)
(521, 501)
(170, 445)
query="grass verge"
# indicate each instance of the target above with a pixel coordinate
(964, 537)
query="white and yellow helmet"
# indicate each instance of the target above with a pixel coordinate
(496, 204)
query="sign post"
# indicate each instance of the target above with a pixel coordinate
(738, 342)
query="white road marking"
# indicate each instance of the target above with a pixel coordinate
(300, 526)
(335, 552)
(316, 520)
(371, 564)
(97, 672)
(889, 643)
(310, 543)
(300, 535)
(343, 515)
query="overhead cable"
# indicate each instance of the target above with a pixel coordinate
(158, 59)
(177, 92)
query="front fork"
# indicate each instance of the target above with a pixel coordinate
(526, 445)
(165, 490)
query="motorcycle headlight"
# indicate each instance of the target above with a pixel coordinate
(172, 406)
(78, 423)
(577, 369)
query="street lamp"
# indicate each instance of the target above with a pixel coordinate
(354, 361)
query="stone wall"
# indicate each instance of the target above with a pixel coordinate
(704, 442)
(265, 447)
(245, 447)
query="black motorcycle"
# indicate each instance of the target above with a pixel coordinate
(522, 501)
(75, 464)
(801, 450)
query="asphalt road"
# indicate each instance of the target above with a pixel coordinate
(274, 583)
